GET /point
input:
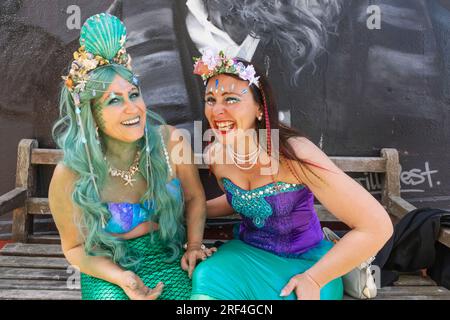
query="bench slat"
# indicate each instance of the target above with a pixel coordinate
(34, 284)
(414, 280)
(347, 164)
(414, 291)
(38, 206)
(33, 262)
(32, 250)
(44, 239)
(33, 274)
(413, 297)
(40, 294)
(46, 156)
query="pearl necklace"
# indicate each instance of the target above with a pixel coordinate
(251, 158)
(127, 175)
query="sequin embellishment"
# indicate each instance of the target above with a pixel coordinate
(252, 203)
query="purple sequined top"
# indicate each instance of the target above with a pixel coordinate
(279, 218)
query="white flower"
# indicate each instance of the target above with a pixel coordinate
(210, 58)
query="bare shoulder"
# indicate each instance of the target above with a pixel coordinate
(63, 175)
(62, 182)
(303, 147)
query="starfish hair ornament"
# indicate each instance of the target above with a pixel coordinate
(212, 63)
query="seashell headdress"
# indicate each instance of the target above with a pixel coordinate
(102, 39)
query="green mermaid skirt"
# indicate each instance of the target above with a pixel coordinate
(153, 269)
(238, 271)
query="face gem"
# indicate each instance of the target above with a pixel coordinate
(232, 87)
(217, 83)
(244, 91)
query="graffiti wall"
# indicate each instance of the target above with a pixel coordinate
(353, 76)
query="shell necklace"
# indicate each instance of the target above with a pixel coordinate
(126, 175)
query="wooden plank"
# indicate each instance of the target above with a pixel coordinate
(398, 207)
(44, 239)
(391, 181)
(346, 164)
(40, 295)
(414, 291)
(33, 274)
(12, 200)
(38, 206)
(414, 280)
(25, 178)
(33, 262)
(413, 297)
(46, 156)
(360, 164)
(32, 250)
(444, 236)
(10, 284)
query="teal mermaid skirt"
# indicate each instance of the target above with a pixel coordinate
(153, 269)
(238, 271)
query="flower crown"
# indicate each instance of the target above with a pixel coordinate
(212, 64)
(84, 62)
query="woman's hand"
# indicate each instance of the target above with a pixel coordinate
(305, 288)
(192, 255)
(135, 289)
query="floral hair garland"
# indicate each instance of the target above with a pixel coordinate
(212, 64)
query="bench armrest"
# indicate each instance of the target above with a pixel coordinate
(12, 200)
(444, 236)
(398, 206)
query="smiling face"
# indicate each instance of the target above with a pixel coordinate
(121, 111)
(230, 107)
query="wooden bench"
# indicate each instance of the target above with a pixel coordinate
(34, 266)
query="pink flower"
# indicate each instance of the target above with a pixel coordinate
(200, 68)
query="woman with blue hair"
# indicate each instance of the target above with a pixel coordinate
(118, 198)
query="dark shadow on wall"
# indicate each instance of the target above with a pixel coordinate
(32, 62)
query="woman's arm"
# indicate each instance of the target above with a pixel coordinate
(219, 207)
(194, 197)
(65, 213)
(350, 203)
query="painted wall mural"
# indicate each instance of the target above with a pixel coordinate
(353, 76)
